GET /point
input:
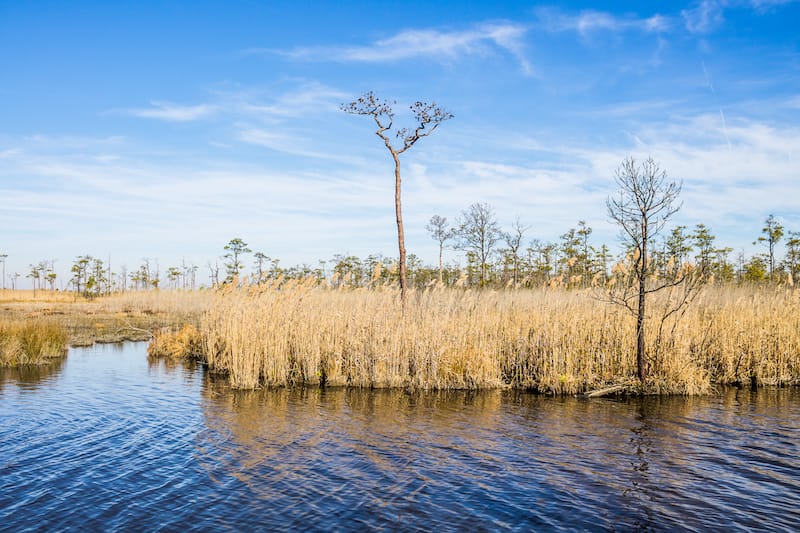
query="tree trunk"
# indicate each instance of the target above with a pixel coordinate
(401, 241)
(641, 356)
(441, 247)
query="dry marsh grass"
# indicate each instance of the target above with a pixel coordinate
(124, 316)
(174, 346)
(550, 340)
(42, 296)
(31, 343)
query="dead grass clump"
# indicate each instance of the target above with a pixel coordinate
(31, 343)
(178, 345)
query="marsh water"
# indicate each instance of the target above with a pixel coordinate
(107, 441)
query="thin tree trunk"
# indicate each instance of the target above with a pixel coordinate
(441, 247)
(515, 269)
(401, 241)
(641, 356)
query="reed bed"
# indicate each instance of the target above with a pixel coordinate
(745, 335)
(31, 343)
(549, 340)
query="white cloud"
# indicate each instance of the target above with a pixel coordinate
(763, 6)
(301, 98)
(305, 99)
(172, 112)
(287, 143)
(793, 102)
(589, 21)
(78, 204)
(195, 205)
(72, 142)
(703, 18)
(708, 15)
(429, 44)
(733, 176)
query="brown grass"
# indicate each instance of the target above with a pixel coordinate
(174, 346)
(31, 343)
(126, 316)
(42, 296)
(550, 340)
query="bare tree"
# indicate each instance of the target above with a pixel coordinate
(123, 278)
(3, 258)
(440, 232)
(643, 204)
(478, 233)
(213, 271)
(514, 241)
(428, 117)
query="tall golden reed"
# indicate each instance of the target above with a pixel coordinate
(550, 340)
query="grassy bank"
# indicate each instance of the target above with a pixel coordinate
(548, 340)
(114, 318)
(551, 340)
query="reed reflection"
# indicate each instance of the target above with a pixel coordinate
(440, 457)
(31, 377)
(324, 445)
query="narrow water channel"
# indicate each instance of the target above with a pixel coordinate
(106, 441)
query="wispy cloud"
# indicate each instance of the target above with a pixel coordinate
(424, 43)
(793, 102)
(287, 143)
(298, 98)
(742, 169)
(9, 152)
(589, 21)
(172, 112)
(196, 206)
(704, 17)
(708, 15)
(304, 99)
(762, 6)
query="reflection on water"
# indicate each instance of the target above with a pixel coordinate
(109, 441)
(31, 376)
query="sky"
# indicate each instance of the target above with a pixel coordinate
(163, 130)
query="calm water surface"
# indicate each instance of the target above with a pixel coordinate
(105, 441)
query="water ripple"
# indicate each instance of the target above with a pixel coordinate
(106, 442)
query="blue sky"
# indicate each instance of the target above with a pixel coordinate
(163, 130)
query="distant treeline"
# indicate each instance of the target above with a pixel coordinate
(493, 257)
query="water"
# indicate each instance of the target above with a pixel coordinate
(105, 441)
